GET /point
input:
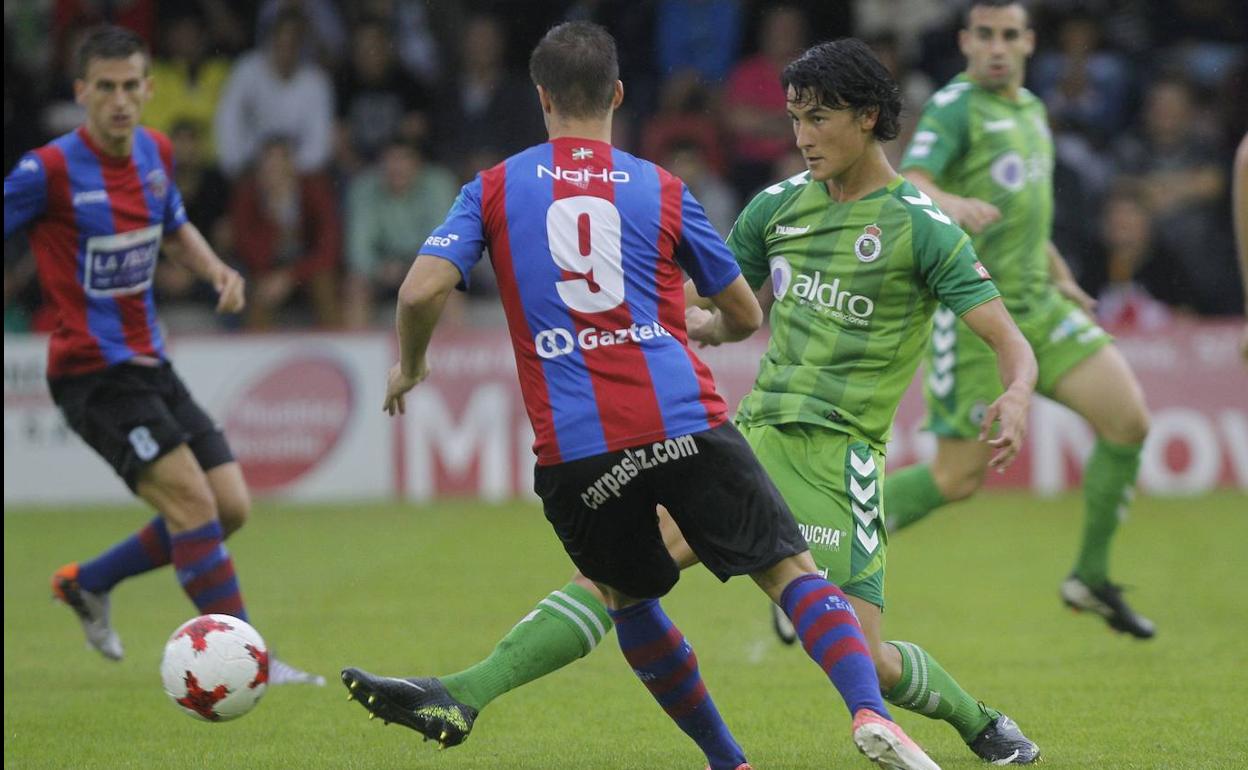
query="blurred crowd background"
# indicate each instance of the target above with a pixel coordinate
(317, 143)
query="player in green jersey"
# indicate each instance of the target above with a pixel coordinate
(858, 259)
(983, 152)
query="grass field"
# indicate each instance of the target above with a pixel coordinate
(420, 590)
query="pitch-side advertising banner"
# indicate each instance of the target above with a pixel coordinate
(303, 414)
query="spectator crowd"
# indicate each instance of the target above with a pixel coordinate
(318, 142)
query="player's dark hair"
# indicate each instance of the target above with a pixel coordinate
(109, 42)
(973, 4)
(576, 64)
(845, 74)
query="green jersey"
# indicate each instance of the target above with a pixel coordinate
(856, 284)
(978, 144)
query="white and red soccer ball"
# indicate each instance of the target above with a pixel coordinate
(215, 668)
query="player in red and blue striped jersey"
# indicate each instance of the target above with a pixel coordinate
(99, 204)
(588, 244)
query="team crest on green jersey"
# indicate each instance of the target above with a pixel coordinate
(868, 248)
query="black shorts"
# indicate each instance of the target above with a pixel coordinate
(132, 415)
(732, 516)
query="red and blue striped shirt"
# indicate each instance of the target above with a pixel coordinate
(96, 223)
(588, 243)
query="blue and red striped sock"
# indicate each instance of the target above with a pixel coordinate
(142, 552)
(206, 570)
(667, 666)
(830, 632)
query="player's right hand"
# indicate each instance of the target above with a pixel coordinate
(398, 384)
(971, 214)
(231, 290)
(700, 325)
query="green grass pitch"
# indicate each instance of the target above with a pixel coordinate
(409, 589)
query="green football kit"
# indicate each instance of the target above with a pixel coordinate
(856, 285)
(977, 144)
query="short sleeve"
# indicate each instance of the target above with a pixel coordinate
(943, 133)
(460, 239)
(950, 267)
(701, 252)
(175, 209)
(25, 193)
(748, 244)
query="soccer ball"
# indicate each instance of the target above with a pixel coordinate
(215, 668)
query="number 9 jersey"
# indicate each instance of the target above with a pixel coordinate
(587, 243)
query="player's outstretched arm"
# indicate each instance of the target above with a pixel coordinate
(1065, 281)
(422, 296)
(736, 316)
(188, 246)
(971, 214)
(1017, 364)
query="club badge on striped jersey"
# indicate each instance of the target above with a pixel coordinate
(868, 247)
(158, 183)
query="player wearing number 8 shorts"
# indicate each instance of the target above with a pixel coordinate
(100, 204)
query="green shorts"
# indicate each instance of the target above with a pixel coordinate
(834, 484)
(961, 376)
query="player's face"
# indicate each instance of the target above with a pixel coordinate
(996, 44)
(830, 140)
(113, 93)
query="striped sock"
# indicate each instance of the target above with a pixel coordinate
(565, 626)
(926, 688)
(143, 551)
(206, 570)
(664, 661)
(829, 631)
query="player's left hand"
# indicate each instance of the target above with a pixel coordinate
(1011, 411)
(231, 290)
(1073, 292)
(700, 324)
(398, 384)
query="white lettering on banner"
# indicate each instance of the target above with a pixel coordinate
(482, 435)
(1056, 433)
(1235, 427)
(1192, 429)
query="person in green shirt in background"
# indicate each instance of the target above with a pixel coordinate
(983, 152)
(390, 211)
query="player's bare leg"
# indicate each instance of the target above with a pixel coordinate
(1103, 390)
(229, 489)
(955, 473)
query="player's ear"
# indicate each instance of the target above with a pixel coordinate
(1029, 41)
(544, 98)
(867, 118)
(80, 91)
(618, 98)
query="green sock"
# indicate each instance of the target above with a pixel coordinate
(1108, 480)
(564, 626)
(926, 688)
(909, 495)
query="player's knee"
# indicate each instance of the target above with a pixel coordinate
(189, 504)
(958, 483)
(233, 510)
(1135, 427)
